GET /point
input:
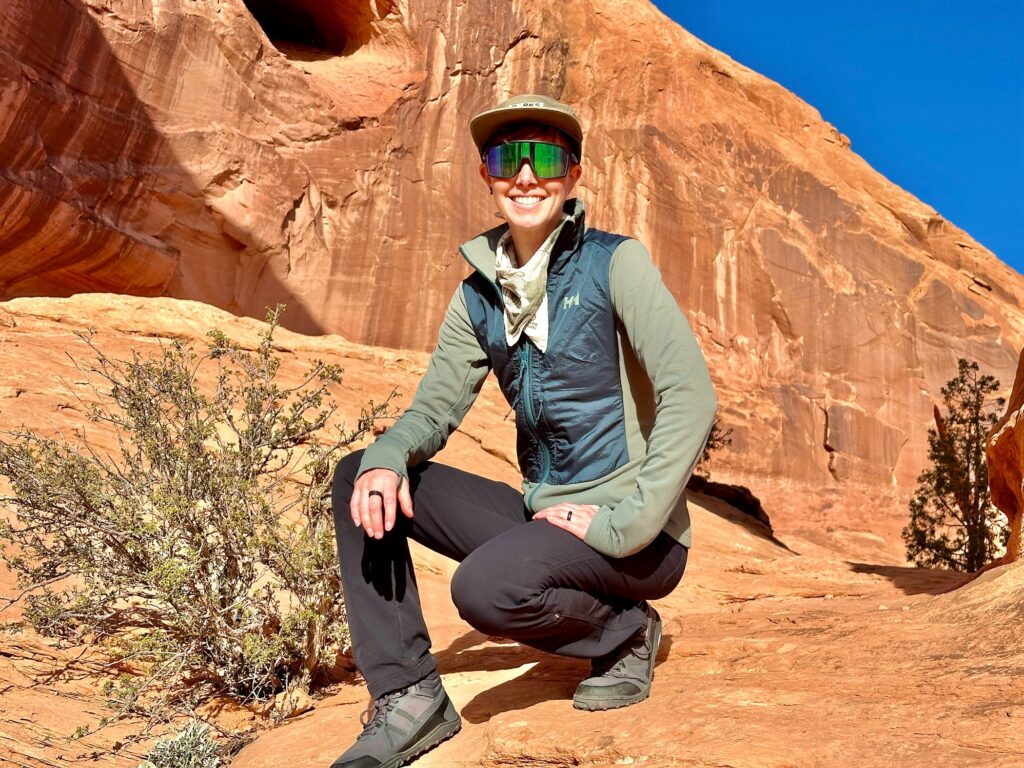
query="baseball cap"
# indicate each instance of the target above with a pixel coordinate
(528, 106)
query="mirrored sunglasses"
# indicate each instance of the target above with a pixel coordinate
(549, 161)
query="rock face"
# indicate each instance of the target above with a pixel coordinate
(1005, 455)
(317, 154)
(819, 657)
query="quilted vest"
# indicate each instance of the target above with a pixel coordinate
(568, 400)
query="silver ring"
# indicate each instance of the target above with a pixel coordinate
(568, 516)
(376, 493)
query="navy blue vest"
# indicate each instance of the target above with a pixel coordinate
(568, 401)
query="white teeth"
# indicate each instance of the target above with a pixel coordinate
(528, 200)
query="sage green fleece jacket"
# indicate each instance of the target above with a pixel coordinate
(669, 407)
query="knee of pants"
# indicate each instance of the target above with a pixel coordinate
(483, 601)
(341, 490)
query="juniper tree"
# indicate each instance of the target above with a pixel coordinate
(953, 523)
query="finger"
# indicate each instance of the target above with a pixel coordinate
(366, 513)
(547, 512)
(556, 520)
(376, 505)
(355, 503)
(404, 497)
(389, 508)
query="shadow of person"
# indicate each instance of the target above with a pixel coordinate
(551, 678)
(463, 655)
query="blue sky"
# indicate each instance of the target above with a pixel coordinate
(931, 94)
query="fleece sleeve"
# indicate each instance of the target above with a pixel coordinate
(685, 403)
(455, 374)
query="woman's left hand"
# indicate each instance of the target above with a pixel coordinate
(575, 523)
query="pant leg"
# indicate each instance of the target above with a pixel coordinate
(544, 587)
(454, 512)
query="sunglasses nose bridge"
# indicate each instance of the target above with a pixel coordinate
(526, 165)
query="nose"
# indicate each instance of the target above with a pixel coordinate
(525, 177)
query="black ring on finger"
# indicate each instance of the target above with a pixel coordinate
(375, 493)
(568, 516)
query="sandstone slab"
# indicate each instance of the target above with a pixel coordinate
(817, 651)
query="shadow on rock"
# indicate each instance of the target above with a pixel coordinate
(737, 505)
(915, 581)
(463, 655)
(552, 678)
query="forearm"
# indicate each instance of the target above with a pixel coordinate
(685, 404)
(456, 371)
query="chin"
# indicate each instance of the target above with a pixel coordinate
(533, 219)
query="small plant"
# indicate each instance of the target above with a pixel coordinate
(718, 438)
(953, 523)
(201, 554)
(192, 747)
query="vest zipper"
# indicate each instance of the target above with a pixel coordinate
(531, 422)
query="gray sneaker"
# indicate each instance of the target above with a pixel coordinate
(401, 725)
(624, 676)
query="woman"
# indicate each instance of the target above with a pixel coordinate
(613, 406)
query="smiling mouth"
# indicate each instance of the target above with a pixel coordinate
(527, 201)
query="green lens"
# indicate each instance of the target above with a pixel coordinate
(503, 159)
(549, 161)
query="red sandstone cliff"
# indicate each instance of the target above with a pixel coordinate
(1005, 456)
(178, 148)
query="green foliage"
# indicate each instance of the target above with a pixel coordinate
(192, 747)
(953, 523)
(202, 552)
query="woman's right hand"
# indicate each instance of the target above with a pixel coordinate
(376, 513)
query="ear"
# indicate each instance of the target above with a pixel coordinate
(575, 171)
(484, 175)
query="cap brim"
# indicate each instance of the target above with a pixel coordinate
(486, 124)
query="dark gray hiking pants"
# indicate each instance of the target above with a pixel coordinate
(523, 579)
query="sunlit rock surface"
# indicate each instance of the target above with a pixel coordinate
(322, 159)
(1005, 456)
(775, 652)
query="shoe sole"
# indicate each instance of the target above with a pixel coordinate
(598, 705)
(440, 734)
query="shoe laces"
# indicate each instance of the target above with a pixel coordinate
(376, 715)
(610, 667)
(614, 664)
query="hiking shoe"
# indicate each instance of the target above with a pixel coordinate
(624, 676)
(401, 725)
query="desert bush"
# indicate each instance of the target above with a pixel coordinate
(953, 523)
(192, 747)
(201, 552)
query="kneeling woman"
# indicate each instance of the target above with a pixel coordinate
(613, 406)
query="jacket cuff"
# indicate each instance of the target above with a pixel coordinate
(599, 534)
(382, 456)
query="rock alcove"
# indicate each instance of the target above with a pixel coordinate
(310, 26)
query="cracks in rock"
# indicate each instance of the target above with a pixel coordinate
(340, 127)
(487, 449)
(494, 66)
(829, 448)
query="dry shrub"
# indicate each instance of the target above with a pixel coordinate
(201, 553)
